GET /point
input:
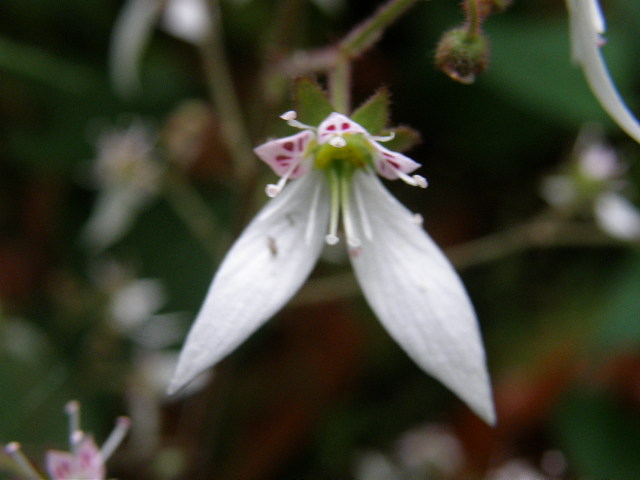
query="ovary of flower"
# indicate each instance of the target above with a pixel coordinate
(587, 26)
(405, 277)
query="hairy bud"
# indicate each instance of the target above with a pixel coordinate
(462, 55)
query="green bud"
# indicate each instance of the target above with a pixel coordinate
(462, 55)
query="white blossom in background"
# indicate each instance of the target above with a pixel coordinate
(405, 277)
(594, 179)
(516, 470)
(133, 304)
(376, 466)
(587, 25)
(187, 20)
(127, 176)
(431, 447)
(84, 460)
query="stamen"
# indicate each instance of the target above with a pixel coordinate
(385, 138)
(418, 219)
(72, 409)
(347, 220)
(364, 218)
(290, 118)
(75, 440)
(337, 141)
(14, 450)
(115, 438)
(308, 234)
(413, 180)
(332, 237)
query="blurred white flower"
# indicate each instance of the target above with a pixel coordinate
(133, 304)
(431, 447)
(617, 216)
(127, 177)
(185, 19)
(516, 470)
(587, 25)
(376, 466)
(594, 179)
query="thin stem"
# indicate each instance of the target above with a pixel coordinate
(544, 231)
(340, 85)
(224, 97)
(194, 213)
(368, 32)
(474, 20)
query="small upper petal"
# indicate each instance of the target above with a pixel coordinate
(261, 272)
(284, 153)
(419, 298)
(337, 124)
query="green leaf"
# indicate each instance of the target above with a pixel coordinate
(312, 103)
(600, 435)
(373, 114)
(404, 138)
(620, 328)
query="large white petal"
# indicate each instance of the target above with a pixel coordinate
(419, 298)
(261, 272)
(586, 24)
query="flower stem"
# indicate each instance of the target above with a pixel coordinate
(340, 85)
(194, 213)
(224, 97)
(474, 20)
(368, 32)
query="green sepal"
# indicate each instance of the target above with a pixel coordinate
(373, 114)
(311, 101)
(404, 138)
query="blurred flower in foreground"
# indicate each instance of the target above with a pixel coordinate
(407, 280)
(587, 24)
(84, 461)
(127, 177)
(187, 20)
(594, 180)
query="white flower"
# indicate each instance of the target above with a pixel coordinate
(405, 277)
(185, 19)
(594, 179)
(127, 176)
(587, 25)
(617, 216)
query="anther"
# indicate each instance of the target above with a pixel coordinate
(272, 190)
(420, 181)
(288, 116)
(385, 138)
(337, 141)
(291, 118)
(331, 239)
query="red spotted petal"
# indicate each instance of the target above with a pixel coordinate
(388, 162)
(282, 154)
